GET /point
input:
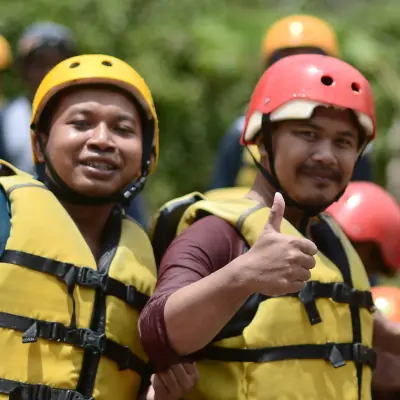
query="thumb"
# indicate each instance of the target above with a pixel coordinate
(276, 213)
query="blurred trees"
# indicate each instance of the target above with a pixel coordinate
(201, 60)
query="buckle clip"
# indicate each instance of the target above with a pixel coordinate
(89, 277)
(94, 341)
(343, 293)
(364, 355)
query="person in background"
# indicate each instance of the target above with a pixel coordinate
(41, 46)
(385, 380)
(370, 218)
(294, 34)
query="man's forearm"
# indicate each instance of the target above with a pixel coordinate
(195, 314)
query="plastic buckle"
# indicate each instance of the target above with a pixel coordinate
(89, 277)
(73, 395)
(342, 293)
(131, 294)
(94, 341)
(364, 355)
(307, 293)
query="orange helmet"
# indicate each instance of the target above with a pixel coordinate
(368, 213)
(300, 31)
(387, 301)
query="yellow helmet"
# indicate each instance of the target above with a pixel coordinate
(5, 54)
(300, 31)
(99, 69)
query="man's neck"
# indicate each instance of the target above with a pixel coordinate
(264, 193)
(91, 221)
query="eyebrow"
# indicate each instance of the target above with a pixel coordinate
(122, 116)
(319, 128)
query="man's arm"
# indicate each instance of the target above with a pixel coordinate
(192, 267)
(196, 310)
(386, 334)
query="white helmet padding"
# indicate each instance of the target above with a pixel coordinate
(299, 109)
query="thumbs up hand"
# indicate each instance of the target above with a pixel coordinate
(278, 264)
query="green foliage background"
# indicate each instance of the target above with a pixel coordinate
(201, 60)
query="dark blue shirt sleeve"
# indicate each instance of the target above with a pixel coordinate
(137, 210)
(363, 169)
(5, 222)
(229, 158)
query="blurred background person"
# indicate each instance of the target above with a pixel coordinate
(41, 46)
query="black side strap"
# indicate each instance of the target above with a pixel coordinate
(333, 248)
(85, 338)
(336, 353)
(25, 391)
(166, 224)
(72, 275)
(339, 292)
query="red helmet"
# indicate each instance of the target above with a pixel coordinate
(295, 85)
(387, 301)
(366, 212)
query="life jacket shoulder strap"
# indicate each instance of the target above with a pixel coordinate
(165, 224)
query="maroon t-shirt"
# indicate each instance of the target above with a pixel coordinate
(203, 248)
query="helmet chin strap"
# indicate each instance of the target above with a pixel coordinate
(308, 209)
(65, 193)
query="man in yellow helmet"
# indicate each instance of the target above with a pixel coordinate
(76, 271)
(294, 34)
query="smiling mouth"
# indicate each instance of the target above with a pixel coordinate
(101, 166)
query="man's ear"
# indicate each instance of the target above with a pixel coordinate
(36, 147)
(260, 144)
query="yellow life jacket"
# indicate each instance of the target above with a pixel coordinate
(311, 345)
(248, 170)
(68, 324)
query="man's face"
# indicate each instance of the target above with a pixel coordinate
(315, 158)
(39, 64)
(95, 141)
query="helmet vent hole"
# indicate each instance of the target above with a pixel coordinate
(327, 81)
(356, 87)
(75, 64)
(107, 63)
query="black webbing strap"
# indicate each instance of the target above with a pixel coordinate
(85, 338)
(73, 275)
(336, 353)
(339, 292)
(25, 391)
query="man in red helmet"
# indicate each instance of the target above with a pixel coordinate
(370, 218)
(293, 34)
(266, 293)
